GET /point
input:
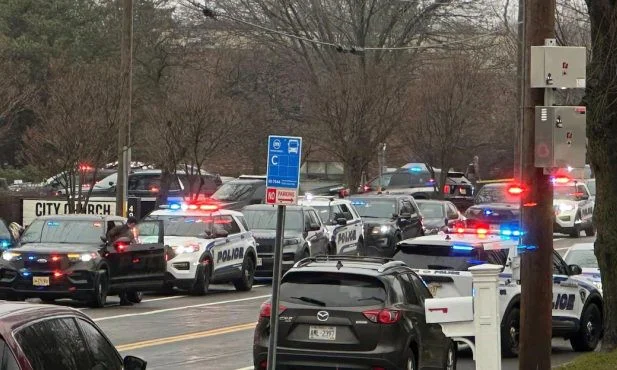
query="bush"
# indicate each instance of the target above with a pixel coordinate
(26, 174)
(594, 360)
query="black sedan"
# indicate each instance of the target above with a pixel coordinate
(439, 216)
(388, 219)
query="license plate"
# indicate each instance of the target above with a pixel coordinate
(322, 333)
(433, 288)
(463, 191)
(40, 280)
(260, 262)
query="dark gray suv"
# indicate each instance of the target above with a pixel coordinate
(353, 313)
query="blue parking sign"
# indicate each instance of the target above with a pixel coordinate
(284, 159)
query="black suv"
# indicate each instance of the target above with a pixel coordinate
(68, 257)
(305, 235)
(353, 313)
(388, 219)
(243, 191)
(496, 208)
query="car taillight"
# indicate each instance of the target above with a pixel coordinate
(266, 309)
(384, 316)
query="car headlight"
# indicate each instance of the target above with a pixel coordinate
(83, 257)
(598, 284)
(11, 256)
(181, 249)
(380, 229)
(566, 207)
(292, 241)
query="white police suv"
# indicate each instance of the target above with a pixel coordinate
(443, 261)
(208, 245)
(344, 226)
(573, 205)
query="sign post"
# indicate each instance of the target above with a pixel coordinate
(283, 182)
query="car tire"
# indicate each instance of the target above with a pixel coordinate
(590, 231)
(510, 333)
(202, 280)
(134, 297)
(590, 331)
(245, 283)
(576, 229)
(411, 362)
(450, 360)
(99, 296)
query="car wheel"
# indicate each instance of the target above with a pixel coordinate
(450, 360)
(99, 296)
(202, 280)
(134, 297)
(576, 230)
(590, 331)
(510, 333)
(590, 231)
(245, 283)
(411, 363)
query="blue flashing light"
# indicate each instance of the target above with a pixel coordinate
(506, 232)
(516, 233)
(31, 258)
(358, 202)
(488, 212)
(5, 244)
(53, 223)
(462, 247)
(174, 206)
(475, 262)
(527, 248)
(25, 273)
(415, 169)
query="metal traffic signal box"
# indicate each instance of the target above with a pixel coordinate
(560, 137)
(558, 67)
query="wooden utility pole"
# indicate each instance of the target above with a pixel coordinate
(537, 208)
(124, 130)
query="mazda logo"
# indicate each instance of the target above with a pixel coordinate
(323, 315)
(41, 260)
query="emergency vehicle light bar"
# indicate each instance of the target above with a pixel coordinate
(185, 206)
(485, 231)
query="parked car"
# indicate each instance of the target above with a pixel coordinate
(439, 215)
(241, 192)
(47, 337)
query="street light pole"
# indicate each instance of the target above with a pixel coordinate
(124, 129)
(536, 207)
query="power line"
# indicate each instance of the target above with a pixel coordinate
(210, 13)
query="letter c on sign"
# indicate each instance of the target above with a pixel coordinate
(274, 160)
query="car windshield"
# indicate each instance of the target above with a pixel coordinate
(582, 257)
(104, 184)
(184, 225)
(265, 219)
(457, 258)
(566, 192)
(233, 192)
(375, 208)
(495, 194)
(385, 180)
(591, 184)
(332, 289)
(410, 179)
(325, 213)
(64, 231)
(431, 210)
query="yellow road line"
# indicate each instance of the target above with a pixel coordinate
(184, 337)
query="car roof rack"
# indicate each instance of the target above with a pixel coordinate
(385, 261)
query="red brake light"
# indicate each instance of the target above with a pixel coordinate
(384, 316)
(446, 189)
(562, 180)
(192, 206)
(208, 207)
(482, 230)
(121, 246)
(515, 190)
(55, 258)
(266, 309)
(57, 274)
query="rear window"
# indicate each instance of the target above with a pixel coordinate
(495, 194)
(457, 258)
(332, 289)
(411, 179)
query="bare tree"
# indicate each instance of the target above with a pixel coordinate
(76, 129)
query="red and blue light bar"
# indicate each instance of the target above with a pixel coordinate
(193, 206)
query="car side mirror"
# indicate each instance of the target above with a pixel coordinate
(341, 221)
(134, 363)
(575, 270)
(314, 227)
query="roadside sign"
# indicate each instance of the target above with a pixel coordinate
(283, 174)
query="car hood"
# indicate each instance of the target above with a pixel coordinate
(371, 222)
(180, 240)
(48, 248)
(557, 202)
(271, 234)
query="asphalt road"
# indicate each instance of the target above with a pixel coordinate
(215, 331)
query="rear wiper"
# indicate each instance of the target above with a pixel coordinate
(310, 300)
(371, 298)
(440, 267)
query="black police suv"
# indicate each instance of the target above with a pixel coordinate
(496, 208)
(388, 219)
(355, 313)
(305, 235)
(67, 256)
(241, 192)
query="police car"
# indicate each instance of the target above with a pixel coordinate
(208, 245)
(343, 224)
(573, 207)
(443, 262)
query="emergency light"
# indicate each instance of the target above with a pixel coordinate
(191, 206)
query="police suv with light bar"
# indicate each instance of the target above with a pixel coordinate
(573, 207)
(343, 224)
(68, 256)
(443, 262)
(208, 245)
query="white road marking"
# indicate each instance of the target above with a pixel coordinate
(164, 298)
(246, 368)
(181, 308)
